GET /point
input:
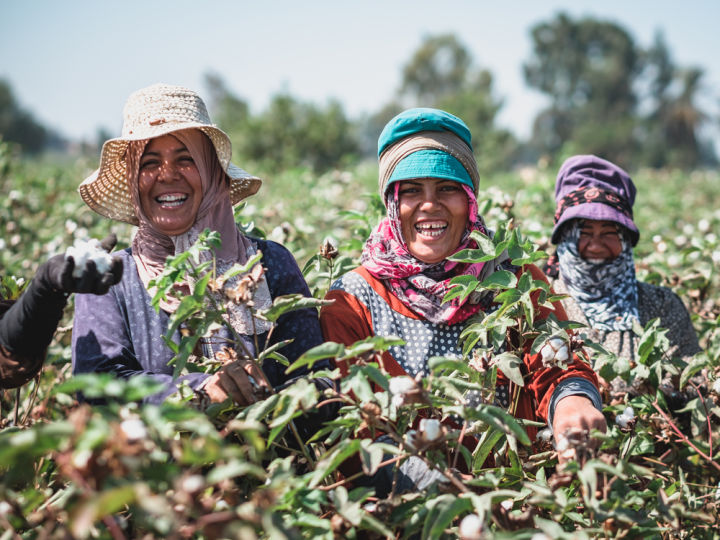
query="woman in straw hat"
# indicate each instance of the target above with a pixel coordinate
(428, 180)
(170, 174)
(594, 265)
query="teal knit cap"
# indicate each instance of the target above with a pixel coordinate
(429, 162)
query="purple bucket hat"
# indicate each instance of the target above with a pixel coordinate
(589, 187)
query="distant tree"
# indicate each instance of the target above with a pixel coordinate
(439, 68)
(587, 68)
(611, 97)
(230, 111)
(441, 74)
(371, 126)
(671, 134)
(288, 133)
(18, 125)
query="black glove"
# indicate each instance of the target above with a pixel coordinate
(28, 326)
(58, 273)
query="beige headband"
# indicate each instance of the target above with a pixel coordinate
(427, 140)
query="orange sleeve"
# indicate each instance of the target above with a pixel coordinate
(543, 380)
(348, 320)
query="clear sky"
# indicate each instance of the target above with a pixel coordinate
(73, 63)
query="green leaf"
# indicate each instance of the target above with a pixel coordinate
(103, 504)
(446, 508)
(332, 460)
(471, 256)
(329, 349)
(510, 364)
(438, 364)
(497, 418)
(233, 469)
(291, 302)
(500, 279)
(488, 440)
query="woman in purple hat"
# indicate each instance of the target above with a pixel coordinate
(595, 234)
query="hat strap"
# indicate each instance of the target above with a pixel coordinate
(593, 195)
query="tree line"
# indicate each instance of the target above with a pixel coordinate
(607, 94)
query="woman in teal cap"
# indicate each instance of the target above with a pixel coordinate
(428, 180)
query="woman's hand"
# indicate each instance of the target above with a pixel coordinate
(575, 416)
(241, 380)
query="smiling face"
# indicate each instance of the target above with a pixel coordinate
(599, 240)
(433, 217)
(170, 185)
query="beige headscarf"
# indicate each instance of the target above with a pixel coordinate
(150, 248)
(427, 140)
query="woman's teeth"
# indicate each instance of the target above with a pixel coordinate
(431, 229)
(170, 201)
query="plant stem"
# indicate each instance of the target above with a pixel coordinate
(684, 438)
(358, 475)
(460, 441)
(707, 416)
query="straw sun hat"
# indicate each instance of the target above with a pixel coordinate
(151, 112)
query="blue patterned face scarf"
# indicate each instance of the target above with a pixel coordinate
(606, 291)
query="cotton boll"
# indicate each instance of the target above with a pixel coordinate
(193, 483)
(555, 352)
(622, 420)
(629, 412)
(81, 458)
(401, 385)
(430, 428)
(471, 527)
(134, 429)
(545, 434)
(83, 251)
(716, 386)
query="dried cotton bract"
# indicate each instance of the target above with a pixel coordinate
(84, 251)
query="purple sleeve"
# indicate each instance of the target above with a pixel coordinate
(106, 340)
(302, 326)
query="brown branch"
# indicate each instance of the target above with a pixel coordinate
(683, 438)
(707, 416)
(358, 475)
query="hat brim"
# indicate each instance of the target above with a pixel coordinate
(106, 191)
(430, 163)
(598, 212)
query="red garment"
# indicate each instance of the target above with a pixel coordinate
(350, 319)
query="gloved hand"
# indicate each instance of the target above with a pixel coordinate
(58, 272)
